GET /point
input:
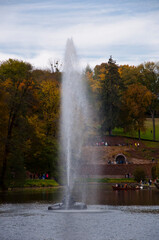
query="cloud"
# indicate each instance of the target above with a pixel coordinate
(37, 31)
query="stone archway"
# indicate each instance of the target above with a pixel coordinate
(120, 159)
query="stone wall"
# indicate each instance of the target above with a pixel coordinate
(115, 169)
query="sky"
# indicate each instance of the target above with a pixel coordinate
(36, 31)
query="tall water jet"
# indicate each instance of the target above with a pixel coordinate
(74, 114)
(74, 126)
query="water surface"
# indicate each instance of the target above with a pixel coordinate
(104, 196)
(126, 215)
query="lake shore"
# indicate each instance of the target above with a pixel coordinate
(50, 184)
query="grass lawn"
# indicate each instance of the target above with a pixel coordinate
(34, 183)
(148, 134)
(108, 180)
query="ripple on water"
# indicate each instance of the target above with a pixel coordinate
(34, 221)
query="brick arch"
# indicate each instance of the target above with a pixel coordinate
(120, 159)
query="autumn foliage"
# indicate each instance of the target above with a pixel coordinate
(121, 96)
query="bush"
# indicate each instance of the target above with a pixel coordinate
(153, 172)
(139, 174)
(157, 170)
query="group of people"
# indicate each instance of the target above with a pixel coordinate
(121, 185)
(149, 182)
(44, 176)
(137, 144)
(101, 143)
(39, 176)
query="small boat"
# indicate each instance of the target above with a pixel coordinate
(126, 188)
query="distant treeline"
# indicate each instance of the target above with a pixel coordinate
(122, 96)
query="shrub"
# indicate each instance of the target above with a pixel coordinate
(153, 172)
(139, 174)
(157, 170)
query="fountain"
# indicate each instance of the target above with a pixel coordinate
(68, 202)
(74, 125)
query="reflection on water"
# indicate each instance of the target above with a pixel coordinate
(123, 215)
(105, 196)
(31, 195)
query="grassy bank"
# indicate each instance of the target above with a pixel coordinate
(34, 183)
(147, 134)
(38, 183)
(107, 180)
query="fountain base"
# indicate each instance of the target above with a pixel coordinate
(74, 206)
(68, 203)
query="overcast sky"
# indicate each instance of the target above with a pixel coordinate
(36, 30)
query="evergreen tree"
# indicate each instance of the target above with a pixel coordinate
(110, 97)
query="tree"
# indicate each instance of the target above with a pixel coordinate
(109, 95)
(129, 75)
(139, 174)
(153, 172)
(55, 65)
(105, 85)
(49, 96)
(3, 120)
(150, 78)
(135, 101)
(157, 170)
(16, 82)
(42, 146)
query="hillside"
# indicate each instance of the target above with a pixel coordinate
(101, 159)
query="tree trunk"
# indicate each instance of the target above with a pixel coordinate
(4, 168)
(153, 124)
(139, 134)
(6, 151)
(110, 131)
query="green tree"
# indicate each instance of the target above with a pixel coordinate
(153, 172)
(110, 95)
(139, 174)
(150, 78)
(157, 170)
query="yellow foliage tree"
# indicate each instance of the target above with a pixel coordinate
(135, 101)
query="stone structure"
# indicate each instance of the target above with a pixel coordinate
(113, 170)
(120, 159)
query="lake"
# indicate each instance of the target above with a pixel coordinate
(111, 215)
